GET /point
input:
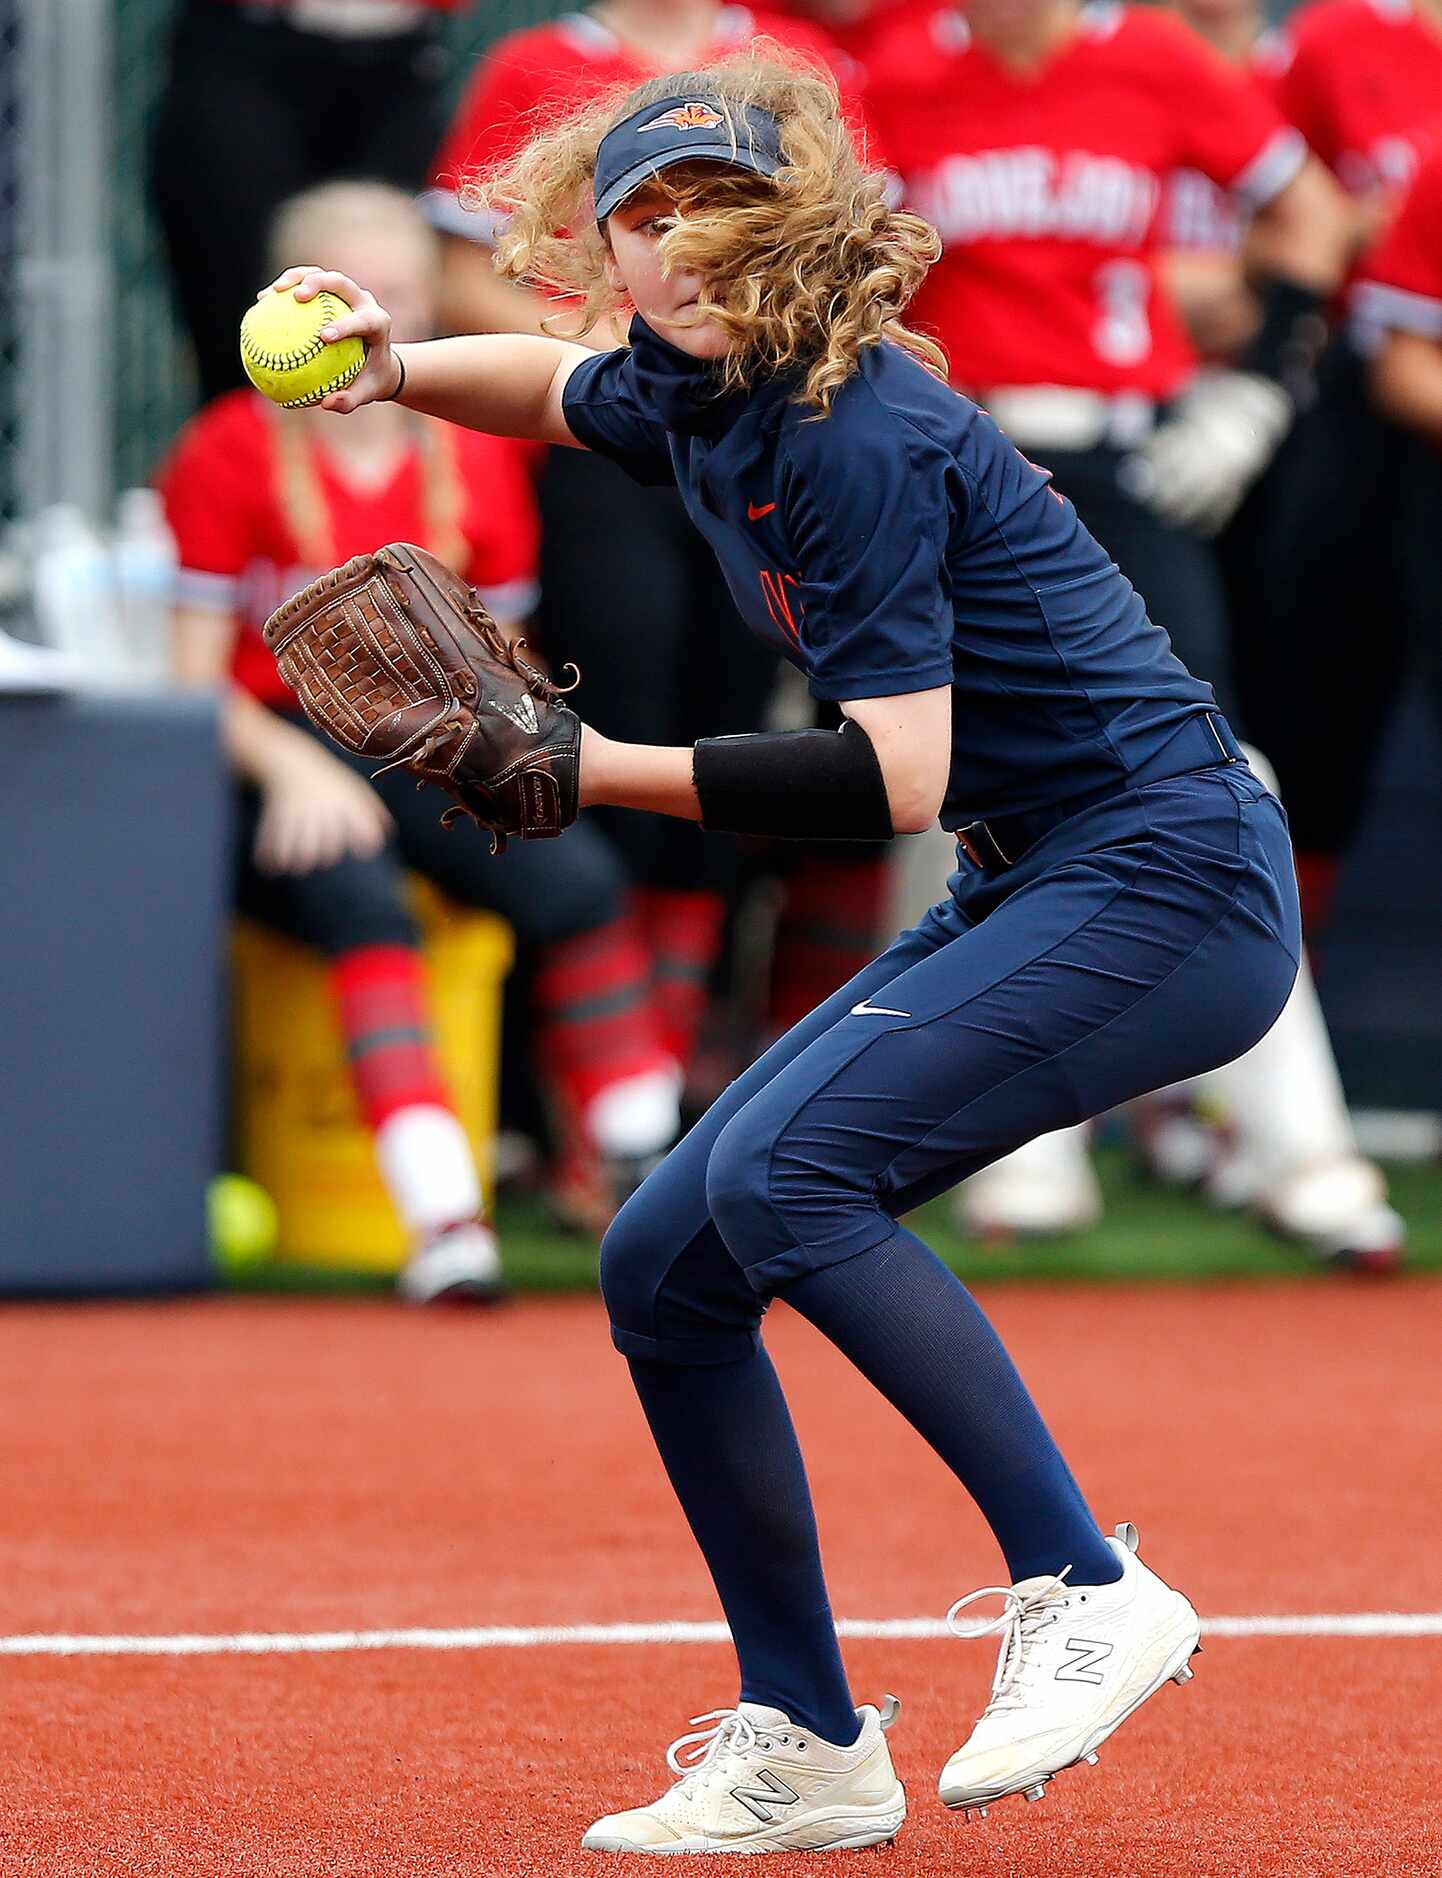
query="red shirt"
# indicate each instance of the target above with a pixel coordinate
(1199, 216)
(1401, 285)
(1362, 81)
(1045, 188)
(530, 79)
(238, 548)
(860, 37)
(284, 6)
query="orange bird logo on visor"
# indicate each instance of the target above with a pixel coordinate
(690, 116)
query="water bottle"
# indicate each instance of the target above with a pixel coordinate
(145, 572)
(73, 577)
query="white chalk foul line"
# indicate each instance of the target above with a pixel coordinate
(540, 1636)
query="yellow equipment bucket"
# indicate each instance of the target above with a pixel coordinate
(299, 1132)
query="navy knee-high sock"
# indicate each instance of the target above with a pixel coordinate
(725, 1436)
(912, 1328)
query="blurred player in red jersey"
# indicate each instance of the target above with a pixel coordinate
(267, 97)
(1400, 298)
(627, 589)
(1363, 80)
(260, 501)
(1203, 226)
(1040, 136)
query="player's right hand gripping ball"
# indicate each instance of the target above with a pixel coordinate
(284, 355)
(395, 657)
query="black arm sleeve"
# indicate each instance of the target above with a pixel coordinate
(800, 785)
(1291, 336)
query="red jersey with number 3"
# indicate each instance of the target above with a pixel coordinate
(1045, 187)
(1362, 81)
(530, 80)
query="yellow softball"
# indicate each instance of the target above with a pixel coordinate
(284, 355)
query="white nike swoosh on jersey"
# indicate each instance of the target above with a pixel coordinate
(875, 1010)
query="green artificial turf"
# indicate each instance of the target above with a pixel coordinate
(1148, 1232)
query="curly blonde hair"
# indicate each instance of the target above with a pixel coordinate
(807, 268)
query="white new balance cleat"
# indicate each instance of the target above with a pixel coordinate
(1075, 1661)
(755, 1782)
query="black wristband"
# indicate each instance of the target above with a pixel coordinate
(799, 785)
(391, 396)
(1291, 337)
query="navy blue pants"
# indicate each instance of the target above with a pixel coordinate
(1140, 942)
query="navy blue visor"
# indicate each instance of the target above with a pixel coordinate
(701, 127)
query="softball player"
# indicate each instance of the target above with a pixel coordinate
(1123, 911)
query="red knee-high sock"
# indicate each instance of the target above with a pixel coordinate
(424, 1155)
(829, 928)
(381, 996)
(682, 927)
(596, 1020)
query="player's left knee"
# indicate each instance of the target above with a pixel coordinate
(673, 1298)
(765, 1198)
(631, 1260)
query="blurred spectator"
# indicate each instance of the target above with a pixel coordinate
(1205, 227)
(1400, 299)
(261, 500)
(629, 590)
(1038, 136)
(1363, 81)
(264, 98)
(1399, 303)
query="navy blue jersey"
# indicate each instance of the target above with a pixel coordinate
(901, 542)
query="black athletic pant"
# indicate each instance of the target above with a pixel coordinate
(254, 111)
(632, 593)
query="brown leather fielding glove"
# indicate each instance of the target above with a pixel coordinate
(394, 657)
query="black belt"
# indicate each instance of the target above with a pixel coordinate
(1204, 742)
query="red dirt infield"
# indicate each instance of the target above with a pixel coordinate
(288, 1465)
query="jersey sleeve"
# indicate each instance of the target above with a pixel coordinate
(502, 526)
(1295, 64)
(1401, 285)
(211, 485)
(869, 529)
(607, 415)
(497, 111)
(1227, 126)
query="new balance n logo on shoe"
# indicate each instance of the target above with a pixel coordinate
(765, 1796)
(1084, 1658)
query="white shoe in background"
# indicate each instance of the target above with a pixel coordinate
(1040, 1191)
(756, 1782)
(1075, 1661)
(1338, 1210)
(460, 1265)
